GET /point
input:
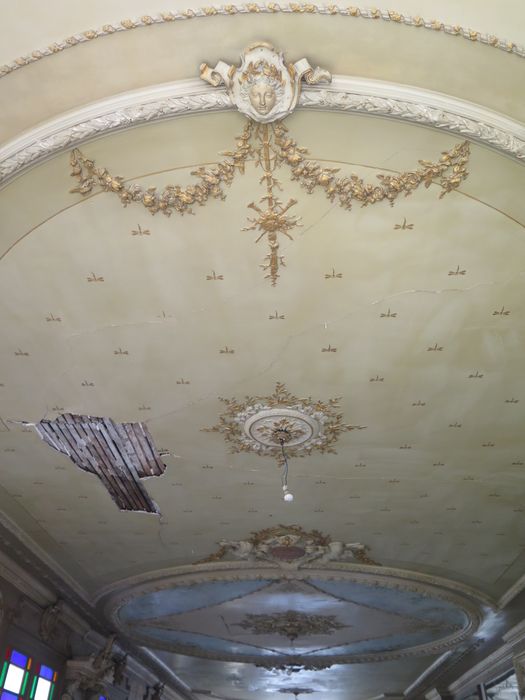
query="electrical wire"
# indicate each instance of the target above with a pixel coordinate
(284, 477)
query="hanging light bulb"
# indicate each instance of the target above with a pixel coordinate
(288, 495)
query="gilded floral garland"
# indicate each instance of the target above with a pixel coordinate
(271, 147)
(269, 8)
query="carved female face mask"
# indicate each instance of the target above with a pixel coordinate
(262, 97)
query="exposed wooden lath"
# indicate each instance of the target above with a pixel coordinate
(120, 454)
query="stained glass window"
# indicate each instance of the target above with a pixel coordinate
(14, 675)
(43, 683)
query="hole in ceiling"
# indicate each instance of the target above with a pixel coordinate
(119, 454)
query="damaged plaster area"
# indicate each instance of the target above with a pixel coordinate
(119, 454)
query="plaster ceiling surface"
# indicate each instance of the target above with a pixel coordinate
(126, 345)
(433, 481)
(411, 316)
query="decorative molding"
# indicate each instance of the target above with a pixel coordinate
(117, 595)
(271, 147)
(78, 613)
(263, 425)
(516, 635)
(254, 8)
(49, 621)
(494, 664)
(513, 591)
(428, 673)
(24, 582)
(490, 667)
(188, 97)
(291, 547)
(427, 681)
(418, 106)
(264, 87)
(106, 116)
(43, 564)
(200, 573)
(291, 624)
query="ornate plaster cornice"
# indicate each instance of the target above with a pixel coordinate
(333, 10)
(229, 570)
(418, 106)
(492, 665)
(43, 593)
(471, 602)
(187, 97)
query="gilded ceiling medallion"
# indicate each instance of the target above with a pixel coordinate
(291, 547)
(262, 425)
(266, 90)
(291, 624)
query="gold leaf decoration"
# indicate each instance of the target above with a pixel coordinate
(210, 181)
(271, 147)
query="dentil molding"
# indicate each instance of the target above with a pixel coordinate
(187, 97)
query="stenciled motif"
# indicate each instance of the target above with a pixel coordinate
(266, 90)
(291, 624)
(263, 424)
(291, 547)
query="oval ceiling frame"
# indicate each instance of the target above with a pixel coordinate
(261, 8)
(473, 603)
(188, 97)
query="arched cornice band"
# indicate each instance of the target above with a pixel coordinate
(352, 95)
(264, 8)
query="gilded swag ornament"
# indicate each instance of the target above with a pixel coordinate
(266, 89)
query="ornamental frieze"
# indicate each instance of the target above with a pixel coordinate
(290, 547)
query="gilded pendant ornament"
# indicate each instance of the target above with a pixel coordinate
(263, 424)
(266, 89)
(291, 624)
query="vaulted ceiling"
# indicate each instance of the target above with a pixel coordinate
(410, 314)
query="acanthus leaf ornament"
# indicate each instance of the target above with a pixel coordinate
(264, 88)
